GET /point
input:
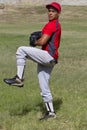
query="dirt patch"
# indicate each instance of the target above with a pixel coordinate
(40, 2)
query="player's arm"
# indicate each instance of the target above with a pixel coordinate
(43, 40)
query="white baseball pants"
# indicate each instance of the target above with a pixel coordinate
(44, 68)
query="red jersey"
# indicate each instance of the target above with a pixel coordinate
(53, 29)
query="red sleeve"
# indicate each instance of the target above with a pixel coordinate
(48, 29)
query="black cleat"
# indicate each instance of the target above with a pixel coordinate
(15, 81)
(48, 115)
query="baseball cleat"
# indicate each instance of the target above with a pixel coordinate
(15, 81)
(48, 115)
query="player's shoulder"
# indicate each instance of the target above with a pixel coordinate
(51, 24)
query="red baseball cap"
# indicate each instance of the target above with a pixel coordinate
(56, 5)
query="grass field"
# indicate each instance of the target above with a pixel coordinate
(20, 109)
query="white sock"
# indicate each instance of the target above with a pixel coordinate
(20, 71)
(49, 106)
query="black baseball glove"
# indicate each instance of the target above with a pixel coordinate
(33, 37)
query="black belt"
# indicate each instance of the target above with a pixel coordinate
(54, 61)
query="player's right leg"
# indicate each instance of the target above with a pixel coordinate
(44, 76)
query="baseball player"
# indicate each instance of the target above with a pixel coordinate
(46, 57)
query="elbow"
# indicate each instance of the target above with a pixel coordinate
(40, 43)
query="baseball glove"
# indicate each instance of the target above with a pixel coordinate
(33, 37)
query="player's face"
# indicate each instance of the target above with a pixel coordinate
(52, 14)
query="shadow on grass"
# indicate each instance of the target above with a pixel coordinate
(20, 110)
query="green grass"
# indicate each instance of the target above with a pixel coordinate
(20, 109)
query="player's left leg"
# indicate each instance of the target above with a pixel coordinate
(23, 53)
